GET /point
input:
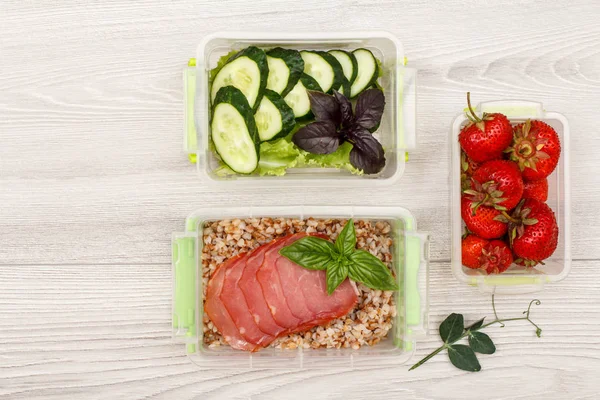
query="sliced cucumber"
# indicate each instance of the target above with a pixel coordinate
(324, 67)
(345, 88)
(248, 71)
(285, 68)
(348, 63)
(368, 71)
(274, 118)
(298, 99)
(233, 130)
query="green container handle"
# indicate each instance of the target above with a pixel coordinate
(184, 309)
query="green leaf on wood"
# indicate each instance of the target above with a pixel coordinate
(481, 343)
(463, 357)
(475, 326)
(452, 328)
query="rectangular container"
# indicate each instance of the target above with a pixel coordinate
(410, 261)
(518, 279)
(396, 132)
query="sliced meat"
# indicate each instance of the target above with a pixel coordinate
(308, 288)
(252, 299)
(326, 307)
(268, 278)
(253, 293)
(218, 313)
(234, 301)
(293, 293)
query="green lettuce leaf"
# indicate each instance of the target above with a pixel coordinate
(338, 159)
(277, 156)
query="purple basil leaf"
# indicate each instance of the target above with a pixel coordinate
(345, 109)
(367, 153)
(325, 107)
(369, 108)
(319, 137)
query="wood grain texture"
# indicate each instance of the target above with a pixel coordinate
(93, 182)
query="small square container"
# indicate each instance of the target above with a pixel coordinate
(410, 259)
(518, 279)
(396, 132)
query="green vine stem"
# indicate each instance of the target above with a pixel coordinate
(497, 320)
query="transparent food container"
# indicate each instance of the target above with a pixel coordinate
(518, 279)
(410, 254)
(396, 132)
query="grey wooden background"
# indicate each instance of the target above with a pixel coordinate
(93, 182)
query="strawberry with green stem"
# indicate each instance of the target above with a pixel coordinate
(532, 232)
(497, 184)
(493, 256)
(483, 221)
(535, 148)
(485, 138)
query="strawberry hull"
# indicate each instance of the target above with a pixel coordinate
(517, 278)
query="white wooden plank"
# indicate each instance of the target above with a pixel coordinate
(91, 172)
(105, 331)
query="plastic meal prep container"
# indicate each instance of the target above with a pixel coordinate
(396, 132)
(410, 255)
(518, 279)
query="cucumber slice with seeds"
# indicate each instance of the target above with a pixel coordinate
(274, 118)
(348, 63)
(233, 130)
(368, 71)
(285, 68)
(324, 68)
(248, 71)
(298, 99)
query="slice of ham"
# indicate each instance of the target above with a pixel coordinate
(268, 278)
(218, 313)
(234, 301)
(325, 307)
(253, 294)
(308, 288)
(252, 299)
(287, 275)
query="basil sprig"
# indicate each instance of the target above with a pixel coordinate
(341, 260)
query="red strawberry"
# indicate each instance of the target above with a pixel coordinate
(485, 138)
(536, 190)
(472, 247)
(493, 256)
(497, 184)
(536, 148)
(467, 168)
(483, 221)
(496, 257)
(533, 232)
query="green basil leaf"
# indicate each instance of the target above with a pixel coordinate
(452, 328)
(475, 325)
(366, 268)
(346, 240)
(337, 272)
(481, 343)
(463, 357)
(310, 252)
